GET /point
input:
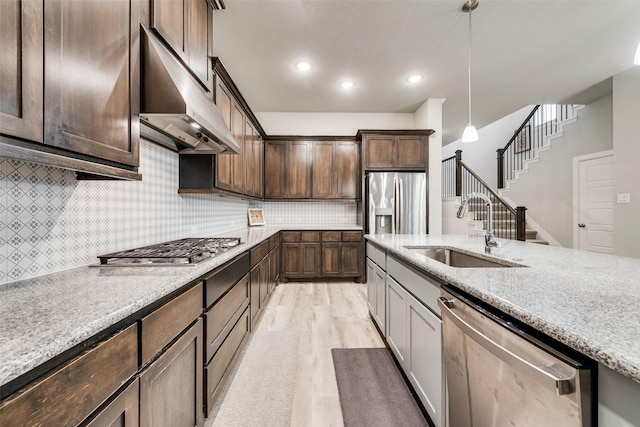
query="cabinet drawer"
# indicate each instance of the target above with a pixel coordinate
(291, 236)
(70, 394)
(331, 236)
(377, 255)
(222, 313)
(259, 252)
(216, 369)
(164, 324)
(351, 236)
(274, 241)
(310, 236)
(222, 279)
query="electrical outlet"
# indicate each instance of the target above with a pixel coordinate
(624, 197)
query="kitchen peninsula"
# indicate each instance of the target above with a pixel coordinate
(585, 300)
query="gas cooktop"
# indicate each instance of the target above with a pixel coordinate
(182, 252)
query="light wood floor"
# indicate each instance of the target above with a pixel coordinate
(325, 315)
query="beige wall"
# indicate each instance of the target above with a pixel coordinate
(626, 158)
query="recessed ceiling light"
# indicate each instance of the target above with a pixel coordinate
(415, 78)
(303, 66)
(347, 84)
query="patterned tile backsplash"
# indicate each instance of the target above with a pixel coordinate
(51, 222)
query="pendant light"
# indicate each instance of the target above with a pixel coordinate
(470, 133)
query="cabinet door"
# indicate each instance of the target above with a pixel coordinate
(122, 412)
(323, 182)
(331, 259)
(347, 171)
(411, 152)
(424, 357)
(259, 162)
(298, 170)
(197, 51)
(380, 152)
(224, 103)
(397, 320)
(255, 293)
(371, 287)
(310, 254)
(274, 167)
(264, 282)
(381, 299)
(169, 20)
(252, 161)
(237, 160)
(21, 102)
(291, 259)
(93, 103)
(351, 258)
(171, 387)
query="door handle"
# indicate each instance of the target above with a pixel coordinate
(554, 379)
(581, 225)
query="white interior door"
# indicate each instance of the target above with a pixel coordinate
(595, 204)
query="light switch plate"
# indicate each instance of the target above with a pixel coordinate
(624, 197)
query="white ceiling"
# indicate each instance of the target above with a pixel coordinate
(524, 52)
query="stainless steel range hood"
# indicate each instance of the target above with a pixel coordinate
(175, 104)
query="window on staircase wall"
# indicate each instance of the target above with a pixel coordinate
(549, 113)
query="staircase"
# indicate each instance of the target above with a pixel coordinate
(477, 219)
(534, 136)
(544, 124)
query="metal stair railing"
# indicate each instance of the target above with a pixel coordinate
(542, 122)
(458, 180)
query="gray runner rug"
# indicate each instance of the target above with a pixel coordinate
(372, 390)
(260, 392)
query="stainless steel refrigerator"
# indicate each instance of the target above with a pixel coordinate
(396, 202)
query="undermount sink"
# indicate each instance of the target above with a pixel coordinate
(454, 258)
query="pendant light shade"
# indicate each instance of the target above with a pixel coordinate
(636, 59)
(470, 133)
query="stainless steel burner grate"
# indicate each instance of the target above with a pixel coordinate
(177, 252)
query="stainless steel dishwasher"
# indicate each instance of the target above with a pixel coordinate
(500, 373)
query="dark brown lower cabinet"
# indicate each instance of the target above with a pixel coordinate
(171, 387)
(215, 370)
(73, 392)
(122, 411)
(334, 254)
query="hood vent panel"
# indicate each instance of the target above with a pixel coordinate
(174, 103)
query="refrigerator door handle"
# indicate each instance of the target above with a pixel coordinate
(401, 213)
(395, 217)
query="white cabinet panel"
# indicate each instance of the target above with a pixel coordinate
(371, 286)
(424, 361)
(397, 320)
(381, 300)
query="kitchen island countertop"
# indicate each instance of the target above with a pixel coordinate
(43, 317)
(588, 301)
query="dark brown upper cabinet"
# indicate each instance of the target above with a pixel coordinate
(335, 170)
(91, 82)
(288, 170)
(21, 62)
(186, 26)
(391, 149)
(300, 168)
(70, 84)
(238, 175)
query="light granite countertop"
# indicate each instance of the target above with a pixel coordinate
(43, 317)
(586, 300)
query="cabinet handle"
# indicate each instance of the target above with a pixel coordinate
(581, 225)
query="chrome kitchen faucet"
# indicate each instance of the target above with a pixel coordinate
(489, 238)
